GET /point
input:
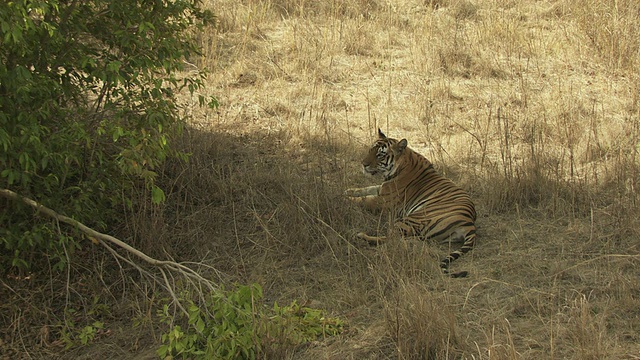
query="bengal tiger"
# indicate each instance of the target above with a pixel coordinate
(424, 203)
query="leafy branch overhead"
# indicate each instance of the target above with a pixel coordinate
(88, 107)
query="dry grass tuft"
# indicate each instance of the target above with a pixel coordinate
(586, 329)
(465, 10)
(420, 323)
(612, 28)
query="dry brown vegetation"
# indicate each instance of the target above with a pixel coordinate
(532, 106)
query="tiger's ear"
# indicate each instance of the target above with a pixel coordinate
(402, 144)
(381, 135)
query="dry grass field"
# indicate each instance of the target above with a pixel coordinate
(532, 106)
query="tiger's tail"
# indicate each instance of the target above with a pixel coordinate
(469, 243)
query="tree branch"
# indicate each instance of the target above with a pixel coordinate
(104, 239)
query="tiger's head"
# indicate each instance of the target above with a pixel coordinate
(383, 155)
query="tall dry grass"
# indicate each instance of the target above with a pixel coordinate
(531, 106)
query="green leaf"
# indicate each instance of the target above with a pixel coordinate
(44, 162)
(114, 66)
(200, 325)
(157, 195)
(213, 103)
(163, 351)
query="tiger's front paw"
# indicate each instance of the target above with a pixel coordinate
(353, 192)
(355, 234)
(371, 240)
(356, 200)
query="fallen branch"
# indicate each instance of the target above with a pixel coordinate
(105, 240)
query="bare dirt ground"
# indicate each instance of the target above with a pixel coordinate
(532, 106)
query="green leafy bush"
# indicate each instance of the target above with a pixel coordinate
(235, 325)
(87, 110)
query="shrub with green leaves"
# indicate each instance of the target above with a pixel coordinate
(87, 110)
(236, 325)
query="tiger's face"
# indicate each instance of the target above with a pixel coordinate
(382, 156)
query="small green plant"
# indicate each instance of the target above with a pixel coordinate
(72, 335)
(235, 325)
(298, 324)
(88, 333)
